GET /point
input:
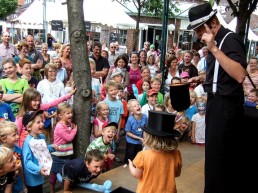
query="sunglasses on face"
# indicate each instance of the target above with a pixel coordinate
(1, 92)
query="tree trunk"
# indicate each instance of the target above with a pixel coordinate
(81, 75)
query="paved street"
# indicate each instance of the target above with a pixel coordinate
(190, 181)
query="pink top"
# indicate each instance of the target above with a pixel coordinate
(63, 134)
(68, 66)
(99, 123)
(21, 129)
(135, 76)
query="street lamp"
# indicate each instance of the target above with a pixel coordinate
(44, 21)
(164, 42)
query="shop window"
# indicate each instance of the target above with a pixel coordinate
(122, 37)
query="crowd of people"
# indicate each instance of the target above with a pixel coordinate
(36, 98)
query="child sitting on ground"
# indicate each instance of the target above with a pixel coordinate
(79, 170)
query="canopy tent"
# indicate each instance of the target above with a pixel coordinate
(104, 12)
(33, 15)
(251, 34)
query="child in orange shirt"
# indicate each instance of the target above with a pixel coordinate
(159, 139)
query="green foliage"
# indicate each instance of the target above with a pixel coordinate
(154, 8)
(7, 7)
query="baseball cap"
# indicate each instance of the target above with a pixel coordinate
(117, 72)
(106, 124)
(184, 75)
(151, 92)
(29, 116)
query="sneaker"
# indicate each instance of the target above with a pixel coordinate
(117, 159)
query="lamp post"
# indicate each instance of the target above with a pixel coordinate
(44, 21)
(164, 42)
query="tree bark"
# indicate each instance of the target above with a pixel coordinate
(81, 75)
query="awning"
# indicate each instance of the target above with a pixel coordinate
(105, 12)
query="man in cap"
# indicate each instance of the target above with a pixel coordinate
(225, 101)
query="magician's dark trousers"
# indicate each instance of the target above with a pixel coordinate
(223, 144)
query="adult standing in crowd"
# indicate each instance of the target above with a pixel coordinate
(171, 71)
(7, 50)
(66, 60)
(224, 164)
(119, 50)
(35, 55)
(102, 65)
(202, 64)
(23, 53)
(253, 73)
(187, 65)
(45, 55)
(112, 55)
(146, 46)
(143, 58)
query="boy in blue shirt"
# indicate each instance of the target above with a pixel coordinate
(134, 133)
(33, 172)
(116, 110)
(79, 170)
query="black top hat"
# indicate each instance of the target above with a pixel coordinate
(199, 14)
(179, 95)
(161, 124)
(29, 116)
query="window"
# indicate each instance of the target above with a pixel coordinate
(27, 2)
(122, 37)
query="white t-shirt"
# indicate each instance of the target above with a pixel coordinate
(200, 128)
(146, 108)
(95, 84)
(50, 91)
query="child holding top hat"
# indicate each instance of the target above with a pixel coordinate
(159, 139)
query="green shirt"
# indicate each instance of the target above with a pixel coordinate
(98, 144)
(160, 99)
(13, 88)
